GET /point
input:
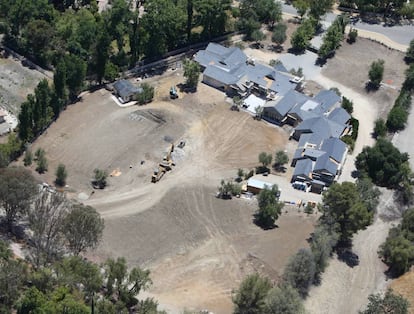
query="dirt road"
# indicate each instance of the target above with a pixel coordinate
(345, 290)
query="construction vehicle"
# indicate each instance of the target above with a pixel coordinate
(164, 166)
(173, 93)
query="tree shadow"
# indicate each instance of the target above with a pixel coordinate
(184, 88)
(296, 52)
(257, 222)
(371, 87)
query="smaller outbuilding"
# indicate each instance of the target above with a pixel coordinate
(126, 91)
(259, 181)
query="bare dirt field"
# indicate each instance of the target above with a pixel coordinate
(16, 82)
(197, 246)
(351, 64)
(404, 286)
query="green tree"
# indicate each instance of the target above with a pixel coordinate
(352, 35)
(12, 278)
(83, 228)
(409, 56)
(162, 26)
(301, 7)
(17, 189)
(61, 175)
(240, 174)
(376, 73)
(265, 159)
(380, 128)
(300, 271)
(279, 34)
(99, 179)
(368, 193)
(191, 73)
(301, 37)
(74, 271)
(397, 119)
(75, 75)
(390, 303)
(333, 37)
(281, 158)
(269, 207)
(318, 8)
(228, 189)
(257, 35)
(125, 286)
(343, 207)
(397, 252)
(398, 249)
(28, 158)
(384, 164)
(284, 299)
(146, 95)
(250, 298)
(322, 244)
(409, 79)
(212, 16)
(41, 162)
(347, 104)
(46, 217)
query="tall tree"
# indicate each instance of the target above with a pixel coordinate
(46, 218)
(376, 73)
(191, 73)
(384, 164)
(125, 286)
(17, 189)
(269, 207)
(213, 16)
(83, 228)
(250, 298)
(300, 271)
(284, 299)
(389, 303)
(343, 207)
(75, 75)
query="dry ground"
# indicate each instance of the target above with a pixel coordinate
(16, 82)
(351, 64)
(197, 246)
(404, 286)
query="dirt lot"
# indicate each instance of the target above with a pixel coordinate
(351, 64)
(404, 286)
(16, 82)
(197, 246)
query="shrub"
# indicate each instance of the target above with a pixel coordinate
(61, 175)
(380, 129)
(352, 35)
(100, 177)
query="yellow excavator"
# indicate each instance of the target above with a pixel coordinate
(164, 166)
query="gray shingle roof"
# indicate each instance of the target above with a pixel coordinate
(339, 115)
(322, 126)
(327, 99)
(325, 163)
(125, 89)
(310, 138)
(290, 100)
(335, 148)
(313, 153)
(303, 167)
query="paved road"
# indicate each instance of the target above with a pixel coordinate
(401, 34)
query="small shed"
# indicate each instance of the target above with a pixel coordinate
(126, 90)
(258, 182)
